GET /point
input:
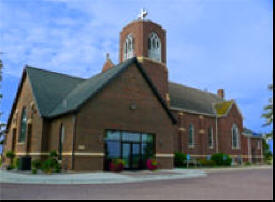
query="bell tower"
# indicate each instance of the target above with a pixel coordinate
(146, 40)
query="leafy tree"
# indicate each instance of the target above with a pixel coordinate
(268, 114)
(266, 152)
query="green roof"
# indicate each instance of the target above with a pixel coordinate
(222, 108)
(58, 94)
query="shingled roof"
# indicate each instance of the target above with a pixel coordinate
(192, 99)
(50, 88)
(58, 94)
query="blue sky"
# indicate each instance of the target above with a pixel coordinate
(211, 44)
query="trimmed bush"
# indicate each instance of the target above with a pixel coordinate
(53, 154)
(221, 159)
(51, 164)
(10, 155)
(207, 163)
(180, 159)
(10, 167)
(34, 171)
(36, 164)
(247, 163)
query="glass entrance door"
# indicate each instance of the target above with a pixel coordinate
(126, 155)
(133, 148)
(135, 156)
(131, 155)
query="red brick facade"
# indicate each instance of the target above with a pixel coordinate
(83, 146)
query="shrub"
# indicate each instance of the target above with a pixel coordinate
(57, 168)
(180, 159)
(34, 171)
(53, 154)
(10, 167)
(10, 155)
(51, 164)
(206, 162)
(221, 159)
(247, 163)
(36, 164)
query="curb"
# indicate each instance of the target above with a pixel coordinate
(95, 178)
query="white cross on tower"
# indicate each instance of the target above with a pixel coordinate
(142, 14)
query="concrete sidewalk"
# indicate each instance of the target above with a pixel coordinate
(237, 168)
(99, 177)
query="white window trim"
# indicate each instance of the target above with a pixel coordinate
(237, 147)
(212, 139)
(154, 53)
(128, 53)
(191, 146)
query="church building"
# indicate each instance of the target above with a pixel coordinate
(129, 110)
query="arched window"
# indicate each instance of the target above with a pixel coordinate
(23, 125)
(235, 137)
(61, 141)
(210, 138)
(128, 48)
(154, 47)
(191, 135)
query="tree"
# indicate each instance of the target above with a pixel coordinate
(268, 114)
(266, 152)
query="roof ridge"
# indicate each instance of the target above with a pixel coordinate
(49, 71)
(89, 79)
(197, 89)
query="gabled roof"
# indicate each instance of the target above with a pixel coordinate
(58, 94)
(88, 89)
(192, 100)
(50, 88)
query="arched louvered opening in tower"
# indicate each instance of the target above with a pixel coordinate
(154, 47)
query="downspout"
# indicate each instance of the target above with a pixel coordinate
(217, 141)
(73, 143)
(249, 149)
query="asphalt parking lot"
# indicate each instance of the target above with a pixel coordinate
(237, 184)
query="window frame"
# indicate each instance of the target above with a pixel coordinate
(22, 136)
(154, 47)
(192, 129)
(211, 132)
(128, 51)
(235, 131)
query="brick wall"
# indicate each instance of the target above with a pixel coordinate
(141, 31)
(110, 109)
(225, 131)
(201, 125)
(35, 122)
